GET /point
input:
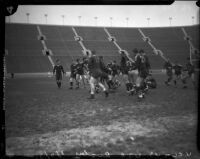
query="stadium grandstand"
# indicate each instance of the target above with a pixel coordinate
(31, 53)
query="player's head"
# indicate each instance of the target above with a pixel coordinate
(141, 52)
(58, 62)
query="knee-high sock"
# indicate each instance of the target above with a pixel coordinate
(102, 86)
(92, 85)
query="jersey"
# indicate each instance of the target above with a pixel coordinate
(79, 68)
(190, 68)
(177, 69)
(73, 70)
(142, 66)
(95, 69)
(58, 70)
(124, 67)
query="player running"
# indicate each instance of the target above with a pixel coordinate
(124, 70)
(58, 71)
(168, 66)
(95, 73)
(188, 72)
(143, 66)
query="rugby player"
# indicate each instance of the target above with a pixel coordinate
(58, 71)
(124, 70)
(73, 71)
(188, 72)
(168, 66)
(95, 73)
(80, 73)
(177, 72)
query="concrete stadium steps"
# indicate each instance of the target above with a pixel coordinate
(24, 52)
(23, 47)
(57, 32)
(92, 33)
(21, 31)
(60, 47)
(108, 59)
(101, 46)
(27, 64)
(194, 33)
(125, 34)
(170, 41)
(129, 46)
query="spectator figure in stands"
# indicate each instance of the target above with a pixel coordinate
(177, 72)
(73, 72)
(58, 71)
(188, 72)
(168, 67)
(95, 73)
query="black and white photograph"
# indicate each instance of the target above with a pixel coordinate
(102, 80)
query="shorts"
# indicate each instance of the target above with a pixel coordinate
(73, 75)
(80, 72)
(58, 76)
(143, 74)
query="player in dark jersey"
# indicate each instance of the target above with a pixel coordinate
(143, 70)
(73, 72)
(168, 66)
(58, 71)
(188, 72)
(124, 70)
(96, 73)
(80, 73)
(177, 72)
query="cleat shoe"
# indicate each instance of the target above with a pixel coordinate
(91, 96)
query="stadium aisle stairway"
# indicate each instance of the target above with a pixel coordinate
(25, 52)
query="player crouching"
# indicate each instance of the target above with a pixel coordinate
(58, 71)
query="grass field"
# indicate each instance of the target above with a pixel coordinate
(42, 119)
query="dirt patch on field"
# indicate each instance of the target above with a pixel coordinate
(94, 135)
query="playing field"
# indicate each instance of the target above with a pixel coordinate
(42, 119)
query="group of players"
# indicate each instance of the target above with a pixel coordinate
(100, 76)
(177, 72)
(135, 73)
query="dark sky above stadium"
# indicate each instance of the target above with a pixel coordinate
(181, 13)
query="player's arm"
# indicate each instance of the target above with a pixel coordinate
(54, 70)
(62, 70)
